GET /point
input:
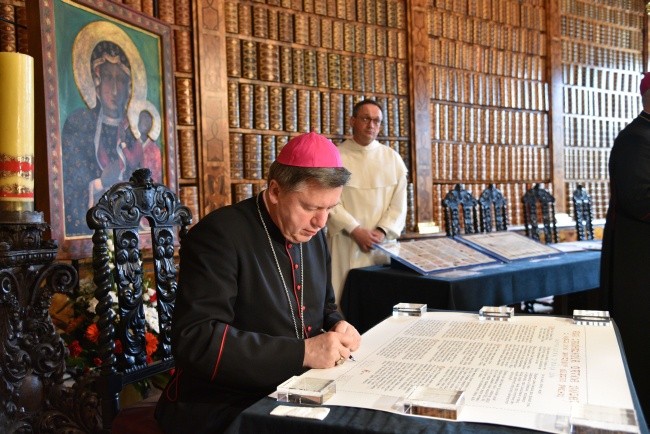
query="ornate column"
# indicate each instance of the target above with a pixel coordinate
(32, 355)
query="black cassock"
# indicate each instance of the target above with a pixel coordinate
(234, 335)
(625, 266)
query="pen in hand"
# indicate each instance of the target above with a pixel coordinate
(350, 357)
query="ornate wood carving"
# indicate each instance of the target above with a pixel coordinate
(539, 202)
(32, 355)
(493, 210)
(458, 201)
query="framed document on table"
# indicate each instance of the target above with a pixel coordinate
(436, 254)
(508, 246)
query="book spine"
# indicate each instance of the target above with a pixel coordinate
(322, 69)
(261, 107)
(246, 107)
(276, 119)
(249, 59)
(304, 97)
(252, 156)
(290, 107)
(236, 156)
(268, 154)
(184, 101)
(189, 196)
(187, 153)
(166, 11)
(260, 22)
(182, 12)
(7, 31)
(183, 44)
(233, 57)
(269, 62)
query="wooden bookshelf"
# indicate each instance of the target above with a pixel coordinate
(295, 67)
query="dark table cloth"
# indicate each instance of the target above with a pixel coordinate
(371, 292)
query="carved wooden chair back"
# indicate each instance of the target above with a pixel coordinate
(119, 215)
(459, 208)
(539, 204)
(492, 210)
(582, 214)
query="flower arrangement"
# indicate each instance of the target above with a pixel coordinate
(77, 321)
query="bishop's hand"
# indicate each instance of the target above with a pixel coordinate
(329, 349)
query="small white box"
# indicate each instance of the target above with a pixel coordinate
(428, 401)
(409, 309)
(306, 390)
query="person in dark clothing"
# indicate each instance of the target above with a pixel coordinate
(255, 294)
(624, 273)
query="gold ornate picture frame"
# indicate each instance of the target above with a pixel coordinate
(104, 107)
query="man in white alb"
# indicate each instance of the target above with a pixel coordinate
(373, 203)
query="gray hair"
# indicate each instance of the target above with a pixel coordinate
(293, 178)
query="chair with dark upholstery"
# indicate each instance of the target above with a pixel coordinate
(492, 210)
(582, 214)
(456, 203)
(119, 214)
(539, 204)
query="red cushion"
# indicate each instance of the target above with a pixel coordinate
(137, 419)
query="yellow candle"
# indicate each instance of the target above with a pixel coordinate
(16, 132)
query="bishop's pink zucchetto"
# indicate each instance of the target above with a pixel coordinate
(310, 150)
(645, 83)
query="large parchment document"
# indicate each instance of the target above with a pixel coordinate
(525, 372)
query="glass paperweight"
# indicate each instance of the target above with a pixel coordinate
(428, 401)
(409, 309)
(496, 313)
(306, 390)
(591, 317)
(587, 419)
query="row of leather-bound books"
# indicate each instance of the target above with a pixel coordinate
(279, 108)
(348, 30)
(596, 102)
(251, 155)
(244, 190)
(292, 26)
(488, 125)
(493, 34)
(273, 62)
(617, 13)
(592, 132)
(511, 12)
(600, 78)
(469, 87)
(613, 35)
(481, 162)
(13, 37)
(585, 53)
(581, 163)
(486, 60)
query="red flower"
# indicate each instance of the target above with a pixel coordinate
(75, 348)
(153, 298)
(73, 324)
(151, 343)
(92, 333)
(97, 361)
(118, 347)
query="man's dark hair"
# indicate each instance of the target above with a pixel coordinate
(357, 106)
(293, 178)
